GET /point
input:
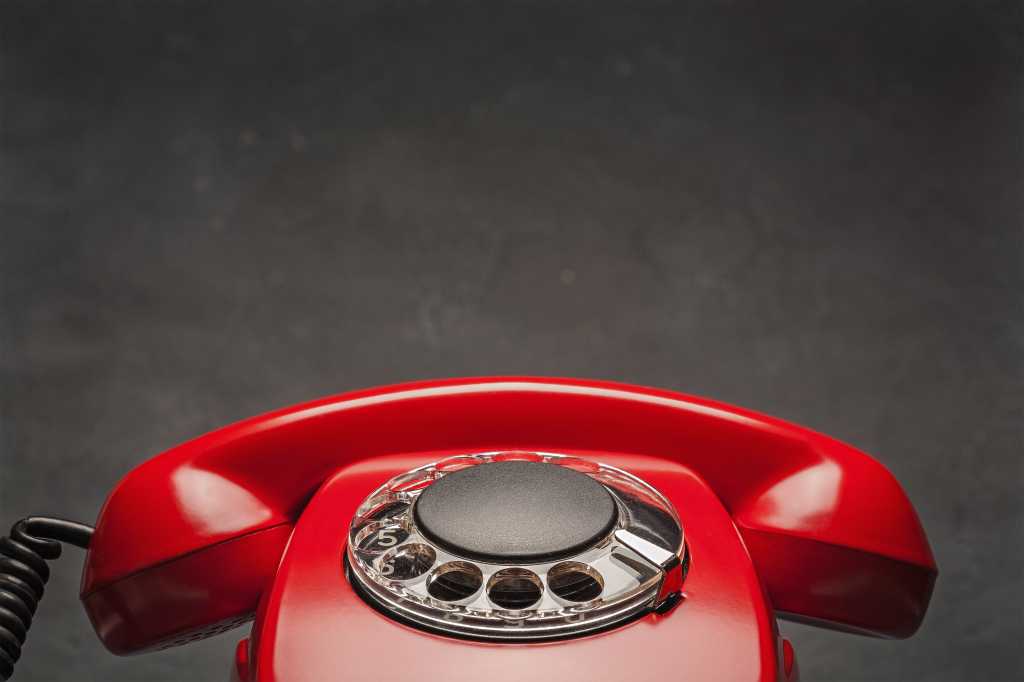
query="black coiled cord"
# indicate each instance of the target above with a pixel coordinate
(23, 574)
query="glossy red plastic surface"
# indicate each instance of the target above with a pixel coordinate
(827, 528)
(315, 624)
(241, 672)
(789, 666)
(194, 596)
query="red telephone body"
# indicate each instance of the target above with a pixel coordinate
(250, 521)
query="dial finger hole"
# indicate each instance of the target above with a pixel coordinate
(515, 588)
(575, 582)
(414, 480)
(454, 581)
(383, 509)
(518, 457)
(374, 541)
(457, 463)
(407, 562)
(576, 464)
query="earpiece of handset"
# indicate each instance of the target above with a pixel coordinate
(23, 574)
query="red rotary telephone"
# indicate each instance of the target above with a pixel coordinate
(500, 529)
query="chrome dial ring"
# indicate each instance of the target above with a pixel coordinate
(636, 566)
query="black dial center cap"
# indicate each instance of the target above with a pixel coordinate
(515, 512)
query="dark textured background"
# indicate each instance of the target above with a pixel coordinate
(810, 209)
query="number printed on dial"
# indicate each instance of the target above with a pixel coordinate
(382, 540)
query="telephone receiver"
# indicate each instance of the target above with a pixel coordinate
(499, 529)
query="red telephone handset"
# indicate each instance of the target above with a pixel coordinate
(255, 518)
